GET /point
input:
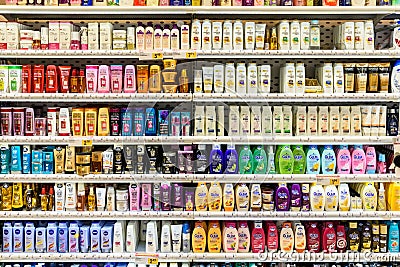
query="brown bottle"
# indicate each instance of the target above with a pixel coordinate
(273, 41)
(354, 237)
(184, 82)
(50, 206)
(44, 199)
(81, 199)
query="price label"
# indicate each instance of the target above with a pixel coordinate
(191, 54)
(157, 56)
(152, 261)
(87, 142)
(328, 180)
(146, 258)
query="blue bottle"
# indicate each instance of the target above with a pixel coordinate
(216, 160)
(151, 122)
(231, 160)
(393, 244)
(5, 160)
(138, 122)
(126, 121)
(16, 159)
(26, 159)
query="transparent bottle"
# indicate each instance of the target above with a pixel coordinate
(315, 35)
(273, 42)
(91, 202)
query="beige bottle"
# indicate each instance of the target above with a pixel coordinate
(242, 197)
(256, 200)
(229, 197)
(215, 197)
(201, 197)
(287, 237)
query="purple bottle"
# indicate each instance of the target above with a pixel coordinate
(231, 160)
(216, 160)
(282, 198)
(295, 197)
(165, 197)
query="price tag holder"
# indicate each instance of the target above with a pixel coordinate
(146, 258)
(324, 179)
(87, 142)
(191, 55)
(157, 55)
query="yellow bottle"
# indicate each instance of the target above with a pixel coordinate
(199, 238)
(44, 200)
(229, 197)
(17, 197)
(214, 239)
(215, 197)
(103, 122)
(77, 121)
(394, 196)
(155, 79)
(201, 197)
(6, 193)
(91, 200)
(90, 121)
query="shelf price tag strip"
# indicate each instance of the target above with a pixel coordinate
(146, 258)
(326, 179)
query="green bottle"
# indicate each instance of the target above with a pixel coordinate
(246, 161)
(299, 157)
(277, 153)
(259, 160)
(286, 160)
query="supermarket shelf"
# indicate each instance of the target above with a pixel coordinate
(188, 178)
(96, 178)
(294, 98)
(203, 54)
(322, 12)
(91, 257)
(201, 215)
(293, 216)
(95, 215)
(96, 140)
(293, 178)
(95, 97)
(171, 140)
(201, 257)
(317, 140)
(296, 257)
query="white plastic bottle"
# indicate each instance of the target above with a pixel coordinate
(219, 78)
(238, 35)
(140, 37)
(216, 35)
(266, 126)
(252, 79)
(227, 35)
(149, 37)
(166, 39)
(195, 37)
(230, 78)
(241, 79)
(256, 122)
(250, 35)
(234, 124)
(206, 29)
(295, 35)
(317, 197)
(175, 40)
(264, 79)
(211, 119)
(158, 38)
(245, 120)
(300, 78)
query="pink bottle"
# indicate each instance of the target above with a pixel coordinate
(358, 160)
(343, 159)
(134, 197)
(130, 79)
(258, 238)
(146, 197)
(370, 156)
(244, 237)
(116, 78)
(103, 83)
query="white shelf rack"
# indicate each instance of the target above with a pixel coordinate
(291, 178)
(202, 54)
(192, 10)
(96, 178)
(171, 140)
(201, 257)
(95, 97)
(294, 98)
(197, 97)
(189, 178)
(200, 215)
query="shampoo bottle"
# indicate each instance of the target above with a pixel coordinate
(287, 238)
(231, 160)
(246, 160)
(282, 198)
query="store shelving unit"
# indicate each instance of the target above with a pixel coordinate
(22, 13)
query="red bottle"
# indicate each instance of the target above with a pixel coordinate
(329, 238)
(313, 238)
(258, 238)
(341, 241)
(51, 79)
(272, 237)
